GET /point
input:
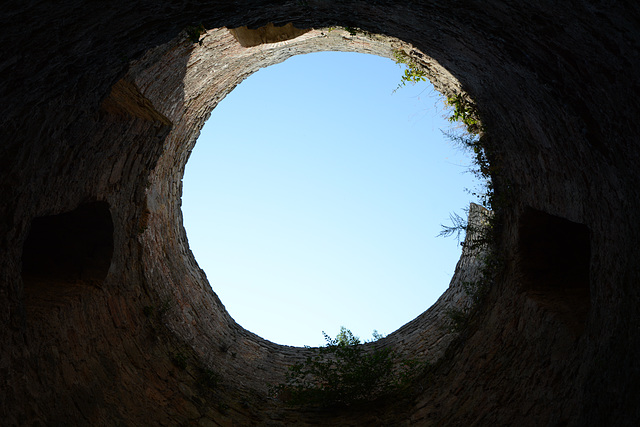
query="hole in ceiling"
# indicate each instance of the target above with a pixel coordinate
(313, 197)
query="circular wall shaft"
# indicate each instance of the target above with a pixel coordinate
(107, 318)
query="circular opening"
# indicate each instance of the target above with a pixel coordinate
(314, 196)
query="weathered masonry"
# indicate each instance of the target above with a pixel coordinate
(105, 317)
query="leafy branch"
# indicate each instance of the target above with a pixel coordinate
(458, 227)
(413, 73)
(464, 111)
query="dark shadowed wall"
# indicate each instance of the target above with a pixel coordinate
(107, 319)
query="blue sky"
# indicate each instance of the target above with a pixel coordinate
(314, 195)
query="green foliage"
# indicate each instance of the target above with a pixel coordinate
(465, 112)
(376, 335)
(481, 237)
(344, 338)
(483, 170)
(194, 32)
(475, 139)
(413, 73)
(352, 30)
(481, 234)
(458, 227)
(344, 373)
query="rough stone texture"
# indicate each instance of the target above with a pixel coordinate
(269, 33)
(103, 104)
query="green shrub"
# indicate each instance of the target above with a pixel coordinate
(352, 31)
(344, 372)
(483, 170)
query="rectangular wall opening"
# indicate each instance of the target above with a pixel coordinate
(553, 258)
(64, 253)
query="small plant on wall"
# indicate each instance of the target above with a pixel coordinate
(461, 110)
(194, 32)
(413, 73)
(464, 111)
(344, 373)
(469, 135)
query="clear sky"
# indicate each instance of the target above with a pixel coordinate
(314, 196)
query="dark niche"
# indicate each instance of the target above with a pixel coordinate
(553, 258)
(70, 247)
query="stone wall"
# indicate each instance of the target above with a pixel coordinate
(101, 107)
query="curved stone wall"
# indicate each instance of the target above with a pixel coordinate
(100, 111)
